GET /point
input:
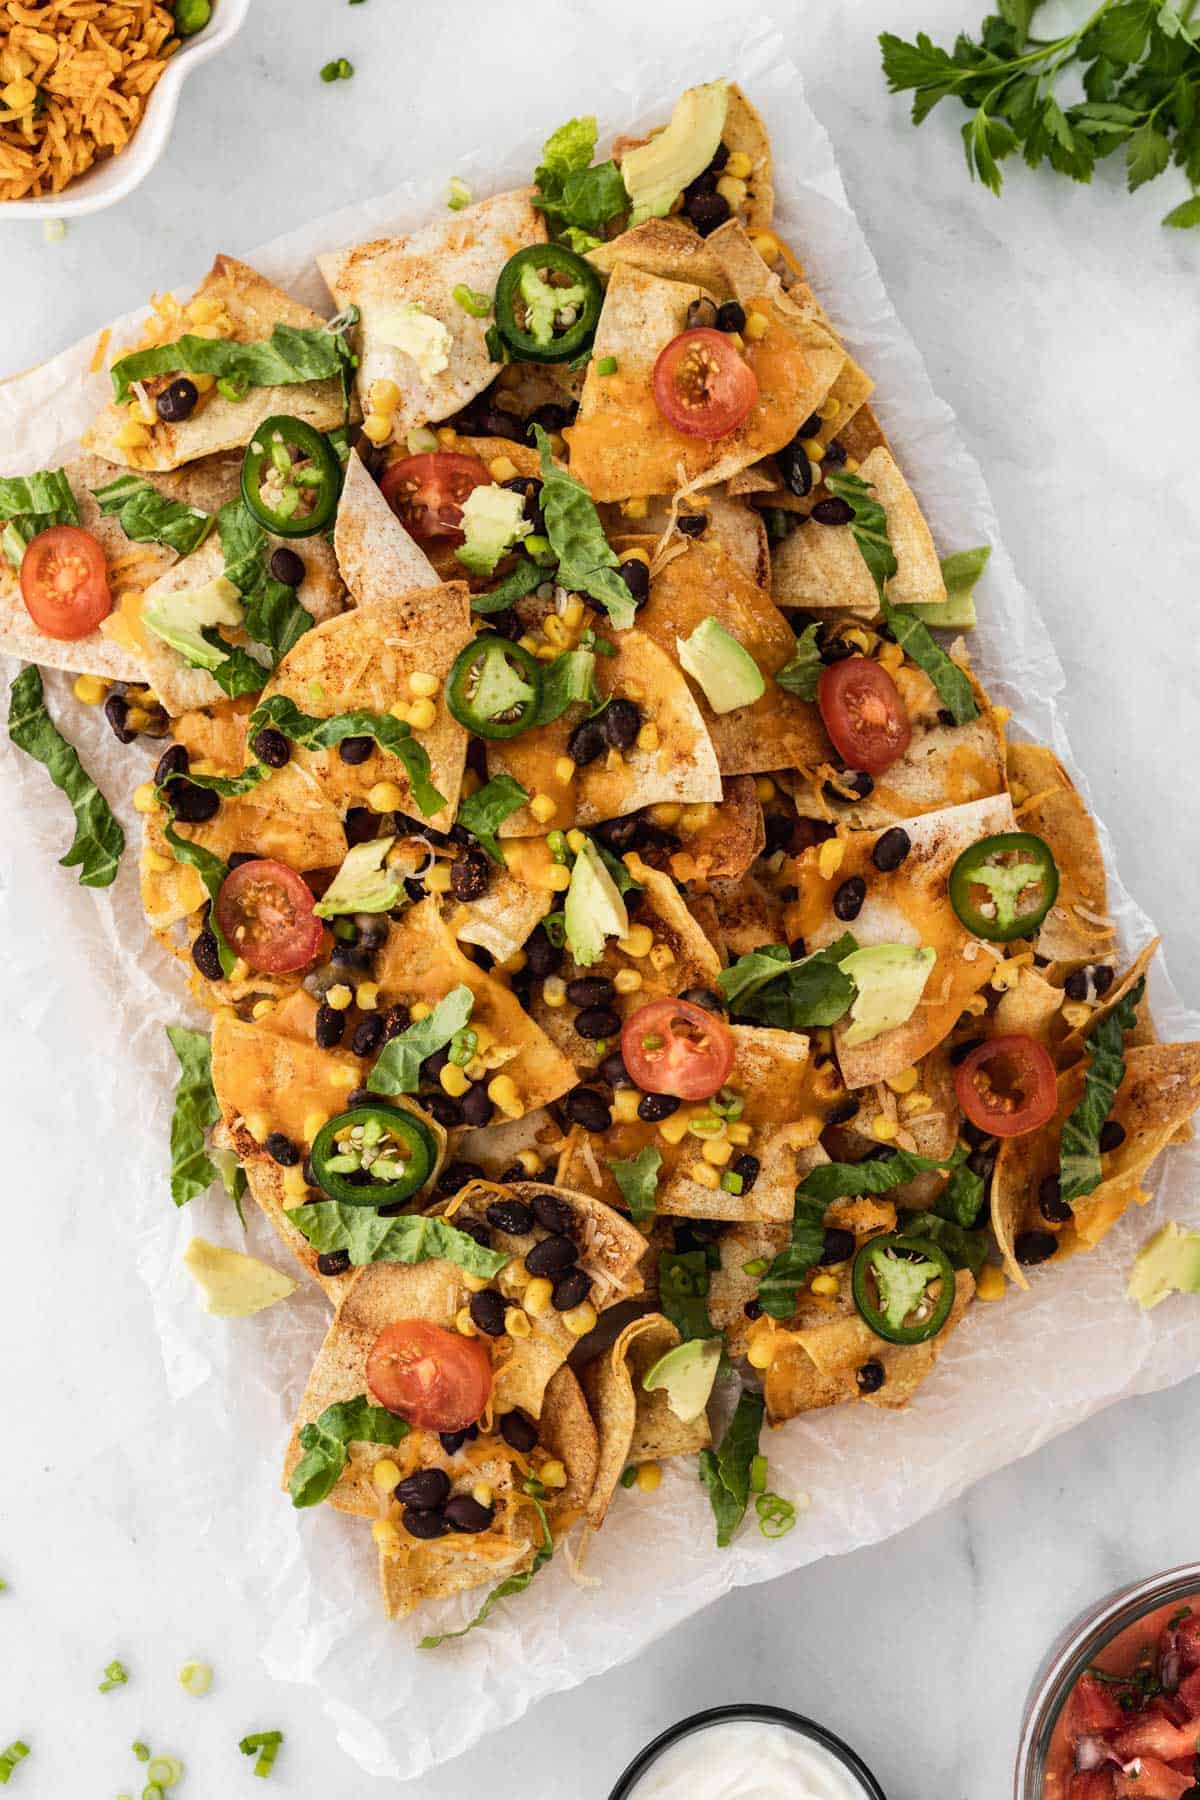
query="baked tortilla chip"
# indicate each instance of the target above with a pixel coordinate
(635, 1427)
(253, 307)
(495, 1148)
(748, 915)
(377, 558)
(502, 917)
(744, 130)
(721, 846)
(421, 271)
(1160, 1092)
(1072, 1046)
(681, 767)
(908, 905)
(822, 568)
(731, 522)
(1078, 928)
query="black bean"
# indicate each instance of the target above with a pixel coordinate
(1075, 987)
(811, 427)
(511, 1216)
(368, 1035)
(779, 830)
(870, 1377)
(464, 1513)
(1112, 1135)
(396, 1020)
(976, 1135)
(570, 1289)
(653, 1107)
(795, 468)
(441, 1107)
(891, 849)
(1035, 1246)
(835, 454)
(498, 421)
(477, 1106)
(1102, 977)
(613, 1071)
(586, 742)
(707, 211)
(333, 1262)
(530, 490)
(588, 1107)
(476, 1229)
(960, 1052)
(364, 1096)
(177, 401)
(835, 650)
(470, 875)
(238, 858)
(515, 1172)
(271, 747)
(692, 525)
(359, 825)
(329, 1026)
(206, 955)
(705, 997)
(636, 575)
(287, 567)
(542, 957)
(945, 716)
(487, 1309)
(453, 1441)
(172, 762)
(622, 721)
(194, 805)
(427, 1488)
(590, 990)
(553, 1214)
(597, 1022)
(456, 1175)
(701, 314)
(424, 1523)
(838, 1246)
(848, 901)
(620, 835)
(518, 1432)
(834, 511)
(551, 417)
(842, 1112)
(982, 1162)
(731, 316)
(747, 1167)
(861, 785)
(1050, 1201)
(354, 750)
(753, 1309)
(550, 1256)
(281, 1150)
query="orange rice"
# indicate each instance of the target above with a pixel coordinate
(75, 76)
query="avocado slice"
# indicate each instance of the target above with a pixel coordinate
(362, 884)
(890, 979)
(233, 1286)
(655, 174)
(593, 909)
(493, 520)
(179, 618)
(960, 572)
(1168, 1264)
(726, 671)
(687, 1373)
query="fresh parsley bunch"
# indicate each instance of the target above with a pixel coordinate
(1139, 64)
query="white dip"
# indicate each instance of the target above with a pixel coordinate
(747, 1759)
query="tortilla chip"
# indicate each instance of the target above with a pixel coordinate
(748, 913)
(254, 307)
(502, 917)
(744, 130)
(1160, 1092)
(363, 659)
(822, 566)
(1072, 1046)
(732, 523)
(469, 247)
(377, 558)
(722, 847)
(421, 962)
(1078, 928)
(683, 766)
(635, 1427)
(1030, 1004)
(495, 1148)
(909, 905)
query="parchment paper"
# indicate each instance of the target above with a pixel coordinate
(1015, 1374)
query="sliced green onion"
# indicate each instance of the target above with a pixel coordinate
(732, 1184)
(3, 1587)
(556, 844)
(629, 1477)
(196, 1678)
(9, 1758)
(759, 1266)
(164, 1771)
(458, 194)
(422, 441)
(338, 70)
(54, 230)
(152, 1791)
(776, 1516)
(463, 1046)
(266, 1743)
(115, 1676)
(607, 365)
(140, 1750)
(471, 300)
(758, 1475)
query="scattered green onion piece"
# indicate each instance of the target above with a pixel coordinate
(536, 545)
(9, 1758)
(629, 1477)
(195, 1678)
(759, 1266)
(776, 1516)
(140, 1750)
(115, 1676)
(458, 194)
(152, 1791)
(463, 1046)
(233, 387)
(266, 1743)
(164, 1771)
(556, 844)
(3, 1587)
(471, 300)
(422, 441)
(340, 69)
(758, 1475)
(732, 1184)
(54, 231)
(607, 365)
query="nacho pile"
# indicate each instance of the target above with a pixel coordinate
(647, 984)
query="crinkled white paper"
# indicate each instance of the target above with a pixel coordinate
(1013, 1377)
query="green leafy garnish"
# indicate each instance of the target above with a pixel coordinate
(413, 1238)
(587, 563)
(483, 812)
(1079, 1168)
(392, 735)
(148, 517)
(274, 615)
(577, 199)
(291, 354)
(683, 1293)
(99, 840)
(515, 1584)
(779, 1287)
(33, 503)
(265, 1746)
(398, 1070)
(802, 671)
(767, 986)
(196, 1112)
(568, 680)
(725, 1471)
(211, 870)
(869, 526)
(637, 1178)
(966, 1249)
(326, 1445)
(522, 579)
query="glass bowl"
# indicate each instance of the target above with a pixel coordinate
(771, 1715)
(1077, 1646)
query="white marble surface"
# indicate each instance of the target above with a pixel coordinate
(1061, 325)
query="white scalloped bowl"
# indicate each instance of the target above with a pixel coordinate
(112, 179)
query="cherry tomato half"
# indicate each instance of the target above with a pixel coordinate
(673, 1047)
(432, 1377)
(266, 912)
(1007, 1085)
(702, 386)
(426, 492)
(64, 582)
(863, 714)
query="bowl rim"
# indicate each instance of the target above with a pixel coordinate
(153, 132)
(723, 1715)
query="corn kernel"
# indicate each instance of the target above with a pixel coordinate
(377, 428)
(757, 326)
(737, 163)
(903, 1082)
(829, 857)
(502, 1092)
(261, 1008)
(158, 865)
(203, 384)
(313, 1122)
(766, 243)
(883, 1128)
(512, 965)
(294, 1184)
(422, 684)
(528, 643)
(635, 509)
(463, 1323)
(385, 796)
(829, 409)
(132, 436)
(530, 1161)
(704, 1175)
(204, 312)
(661, 957)
(647, 737)
(573, 612)
(385, 1474)
(912, 1104)
(482, 1493)
(564, 770)
(851, 465)
(420, 1009)
(422, 714)
(557, 878)
(546, 653)
(627, 981)
(90, 689)
(387, 1535)
(666, 813)
(826, 1285)
(637, 554)
(399, 710)
(552, 1474)
(990, 1283)
(736, 339)
(649, 1478)
(543, 808)
(1076, 1013)
(976, 1005)
(437, 881)
(717, 1151)
(625, 1105)
(447, 437)
(613, 761)
(343, 1077)
(580, 1320)
(813, 448)
(696, 818)
(537, 1297)
(502, 469)
(674, 1129)
(733, 189)
(339, 996)
(761, 1353)
(240, 970)
(764, 789)
(385, 397)
(739, 1134)
(516, 1323)
(454, 1081)
(576, 839)
(554, 630)
(554, 991)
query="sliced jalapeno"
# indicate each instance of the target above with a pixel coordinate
(373, 1155)
(1003, 886)
(547, 303)
(890, 1283)
(495, 688)
(291, 477)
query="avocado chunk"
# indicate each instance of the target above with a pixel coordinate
(362, 884)
(727, 673)
(493, 520)
(179, 618)
(960, 572)
(593, 909)
(1168, 1264)
(233, 1286)
(655, 174)
(687, 1373)
(890, 979)
(408, 327)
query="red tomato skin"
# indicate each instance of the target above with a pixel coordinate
(435, 1378)
(888, 731)
(687, 1073)
(732, 382)
(291, 938)
(426, 492)
(1094, 1708)
(64, 582)
(1153, 1781)
(1039, 1083)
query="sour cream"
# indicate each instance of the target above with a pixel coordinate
(747, 1759)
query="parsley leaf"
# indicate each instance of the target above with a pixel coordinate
(1080, 1172)
(99, 840)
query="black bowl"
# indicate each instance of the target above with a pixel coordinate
(723, 1715)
